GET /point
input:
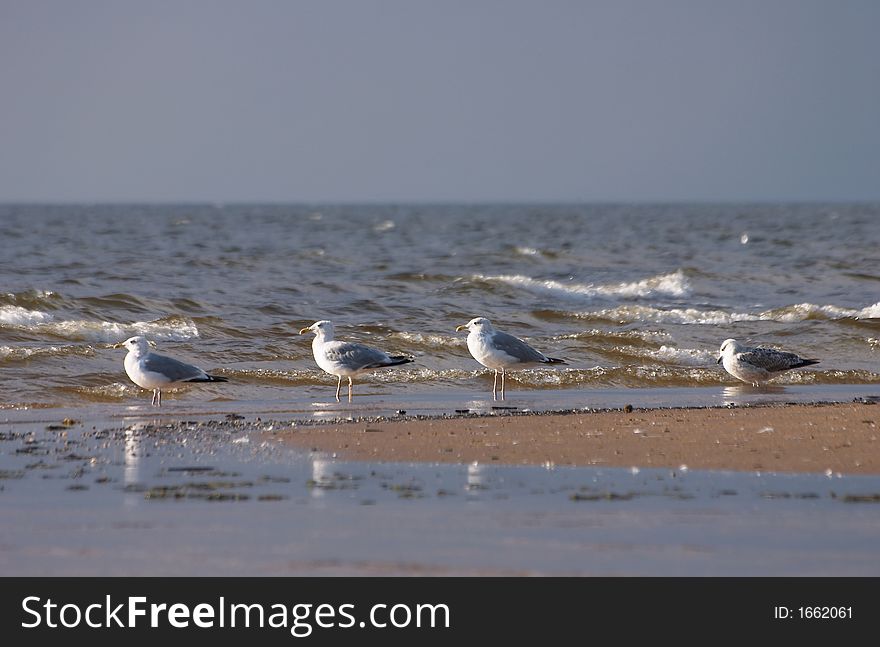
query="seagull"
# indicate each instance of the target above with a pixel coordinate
(346, 359)
(498, 350)
(151, 371)
(757, 365)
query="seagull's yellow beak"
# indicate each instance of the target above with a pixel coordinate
(117, 345)
(460, 328)
(304, 331)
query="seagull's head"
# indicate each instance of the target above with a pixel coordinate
(479, 324)
(727, 346)
(321, 328)
(137, 344)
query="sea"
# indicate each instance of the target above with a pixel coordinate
(636, 298)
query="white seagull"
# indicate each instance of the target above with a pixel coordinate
(498, 350)
(152, 371)
(757, 365)
(346, 359)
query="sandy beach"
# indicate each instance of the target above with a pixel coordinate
(210, 491)
(780, 438)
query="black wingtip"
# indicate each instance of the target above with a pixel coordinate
(555, 360)
(210, 378)
(806, 362)
(397, 360)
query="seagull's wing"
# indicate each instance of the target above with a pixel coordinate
(517, 348)
(772, 360)
(355, 356)
(174, 370)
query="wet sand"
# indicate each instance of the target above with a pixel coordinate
(842, 438)
(229, 494)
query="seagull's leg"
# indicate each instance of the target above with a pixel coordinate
(502, 382)
(153, 399)
(494, 385)
(349, 388)
(338, 386)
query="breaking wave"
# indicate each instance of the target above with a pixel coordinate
(674, 284)
(788, 314)
(44, 323)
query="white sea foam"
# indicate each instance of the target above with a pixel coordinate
(683, 356)
(789, 314)
(674, 284)
(385, 225)
(106, 331)
(21, 353)
(430, 340)
(18, 316)
(36, 321)
(871, 312)
(646, 335)
(116, 390)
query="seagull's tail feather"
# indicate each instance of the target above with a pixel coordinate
(397, 360)
(805, 362)
(555, 360)
(210, 378)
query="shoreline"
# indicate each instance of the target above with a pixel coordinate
(793, 437)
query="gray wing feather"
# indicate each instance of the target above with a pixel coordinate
(769, 359)
(517, 348)
(356, 356)
(174, 370)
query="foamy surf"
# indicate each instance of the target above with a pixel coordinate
(645, 292)
(22, 317)
(674, 284)
(44, 323)
(427, 340)
(26, 353)
(683, 356)
(789, 314)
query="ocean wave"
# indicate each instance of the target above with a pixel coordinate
(870, 312)
(172, 329)
(674, 284)
(29, 298)
(43, 323)
(104, 392)
(428, 340)
(278, 377)
(18, 316)
(629, 337)
(852, 376)
(24, 353)
(683, 356)
(789, 314)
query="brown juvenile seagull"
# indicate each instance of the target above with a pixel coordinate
(757, 365)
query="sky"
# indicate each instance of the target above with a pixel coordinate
(439, 101)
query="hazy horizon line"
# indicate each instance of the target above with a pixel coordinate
(450, 202)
